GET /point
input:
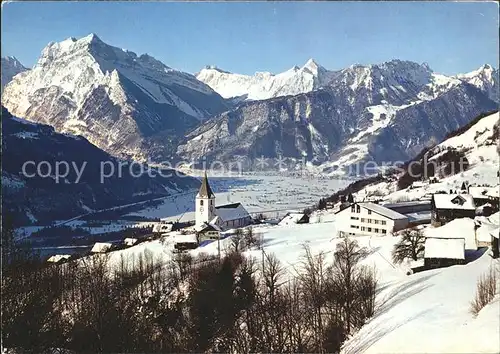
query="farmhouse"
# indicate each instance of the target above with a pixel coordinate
(444, 252)
(208, 232)
(369, 219)
(224, 216)
(294, 218)
(447, 207)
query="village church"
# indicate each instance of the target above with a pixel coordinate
(221, 217)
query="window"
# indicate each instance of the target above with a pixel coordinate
(384, 222)
(369, 212)
(211, 202)
(384, 231)
(353, 208)
(375, 222)
(201, 202)
(362, 219)
(354, 227)
(358, 209)
(376, 230)
(363, 228)
(354, 218)
(369, 229)
(369, 221)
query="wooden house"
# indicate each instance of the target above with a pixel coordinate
(447, 207)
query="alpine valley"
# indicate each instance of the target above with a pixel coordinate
(137, 107)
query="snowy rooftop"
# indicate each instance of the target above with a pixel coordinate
(454, 201)
(483, 192)
(459, 228)
(231, 212)
(450, 248)
(101, 247)
(58, 257)
(291, 219)
(382, 210)
(189, 238)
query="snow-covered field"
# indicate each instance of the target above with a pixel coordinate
(426, 312)
(258, 193)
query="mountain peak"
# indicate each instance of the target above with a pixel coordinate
(311, 64)
(91, 38)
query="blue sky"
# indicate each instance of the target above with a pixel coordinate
(246, 37)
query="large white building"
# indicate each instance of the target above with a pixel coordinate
(227, 216)
(369, 219)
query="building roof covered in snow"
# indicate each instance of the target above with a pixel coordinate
(483, 232)
(189, 238)
(463, 228)
(232, 211)
(454, 201)
(449, 248)
(130, 241)
(382, 210)
(208, 227)
(58, 258)
(101, 247)
(205, 190)
(293, 218)
(483, 192)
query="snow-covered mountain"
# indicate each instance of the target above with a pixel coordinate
(29, 197)
(125, 104)
(384, 112)
(265, 85)
(485, 78)
(10, 68)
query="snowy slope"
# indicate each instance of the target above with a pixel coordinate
(10, 68)
(426, 312)
(480, 146)
(264, 85)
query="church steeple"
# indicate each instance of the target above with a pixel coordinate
(205, 203)
(205, 190)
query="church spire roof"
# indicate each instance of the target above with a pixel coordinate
(205, 190)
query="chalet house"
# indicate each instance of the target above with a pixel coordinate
(294, 218)
(443, 252)
(483, 195)
(369, 219)
(447, 207)
(227, 216)
(208, 232)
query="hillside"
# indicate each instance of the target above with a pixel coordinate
(477, 144)
(383, 113)
(31, 196)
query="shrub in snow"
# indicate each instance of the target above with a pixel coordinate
(486, 290)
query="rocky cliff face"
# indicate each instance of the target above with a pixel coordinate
(128, 105)
(32, 196)
(383, 112)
